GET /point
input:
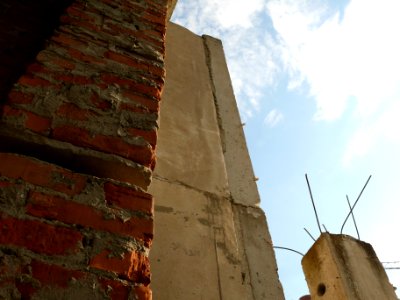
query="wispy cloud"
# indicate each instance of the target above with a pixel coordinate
(273, 118)
(343, 58)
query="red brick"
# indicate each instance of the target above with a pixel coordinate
(20, 97)
(133, 266)
(75, 10)
(53, 275)
(123, 59)
(26, 289)
(149, 135)
(118, 29)
(81, 137)
(38, 237)
(62, 63)
(151, 104)
(32, 121)
(73, 112)
(33, 81)
(11, 111)
(99, 103)
(4, 184)
(42, 174)
(153, 37)
(75, 79)
(131, 84)
(85, 57)
(56, 208)
(37, 123)
(141, 65)
(119, 290)
(143, 292)
(36, 67)
(68, 40)
(154, 17)
(66, 19)
(128, 197)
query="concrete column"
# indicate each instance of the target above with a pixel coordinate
(339, 267)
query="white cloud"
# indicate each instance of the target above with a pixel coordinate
(224, 13)
(353, 57)
(340, 58)
(273, 118)
(386, 127)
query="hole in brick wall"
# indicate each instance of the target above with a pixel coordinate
(24, 27)
(321, 289)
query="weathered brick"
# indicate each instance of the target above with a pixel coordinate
(149, 135)
(37, 123)
(20, 97)
(142, 88)
(117, 290)
(133, 266)
(73, 112)
(151, 104)
(56, 208)
(33, 81)
(143, 293)
(52, 274)
(41, 174)
(38, 237)
(75, 79)
(69, 40)
(128, 198)
(82, 137)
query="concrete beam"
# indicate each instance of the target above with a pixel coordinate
(339, 267)
(242, 182)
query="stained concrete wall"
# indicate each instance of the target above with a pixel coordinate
(341, 267)
(211, 238)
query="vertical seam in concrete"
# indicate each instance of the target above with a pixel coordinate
(213, 89)
(217, 261)
(237, 215)
(208, 57)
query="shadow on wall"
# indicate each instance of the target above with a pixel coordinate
(24, 27)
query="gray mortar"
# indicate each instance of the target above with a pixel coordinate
(9, 292)
(127, 42)
(13, 199)
(75, 290)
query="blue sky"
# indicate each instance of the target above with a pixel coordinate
(318, 86)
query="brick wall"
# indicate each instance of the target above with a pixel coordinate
(77, 147)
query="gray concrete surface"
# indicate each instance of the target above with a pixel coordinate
(238, 165)
(340, 267)
(208, 244)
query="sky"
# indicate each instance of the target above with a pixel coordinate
(318, 87)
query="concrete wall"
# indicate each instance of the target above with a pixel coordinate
(211, 238)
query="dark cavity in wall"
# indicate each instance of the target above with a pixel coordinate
(24, 27)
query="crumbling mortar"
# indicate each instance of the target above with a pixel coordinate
(125, 42)
(93, 69)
